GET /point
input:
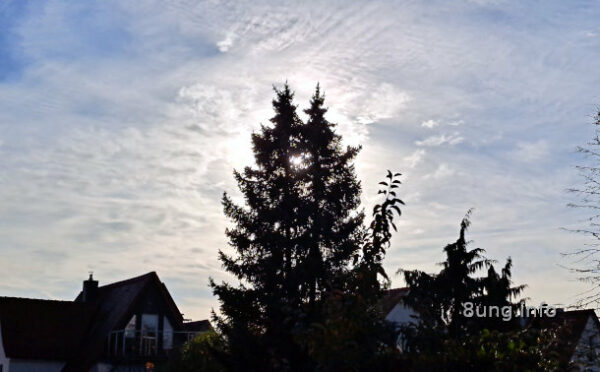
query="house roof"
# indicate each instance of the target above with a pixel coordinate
(28, 325)
(391, 298)
(115, 304)
(117, 298)
(198, 326)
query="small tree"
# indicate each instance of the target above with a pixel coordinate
(439, 298)
(445, 338)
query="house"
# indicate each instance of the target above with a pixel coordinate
(394, 309)
(116, 327)
(579, 330)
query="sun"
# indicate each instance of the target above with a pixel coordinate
(300, 161)
(296, 160)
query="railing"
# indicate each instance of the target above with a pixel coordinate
(134, 344)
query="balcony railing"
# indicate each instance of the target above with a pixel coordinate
(132, 344)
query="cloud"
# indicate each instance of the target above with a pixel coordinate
(434, 123)
(452, 139)
(442, 171)
(383, 103)
(430, 124)
(531, 151)
(225, 44)
(415, 158)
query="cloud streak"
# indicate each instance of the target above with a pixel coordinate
(452, 139)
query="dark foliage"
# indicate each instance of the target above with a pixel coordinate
(438, 298)
(444, 338)
(197, 355)
(353, 335)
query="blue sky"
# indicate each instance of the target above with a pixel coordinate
(121, 122)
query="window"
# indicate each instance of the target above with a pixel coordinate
(149, 336)
(149, 324)
(167, 334)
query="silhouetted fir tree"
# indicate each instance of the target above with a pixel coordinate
(334, 195)
(439, 297)
(270, 234)
(498, 291)
(300, 246)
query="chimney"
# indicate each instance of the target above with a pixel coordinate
(90, 290)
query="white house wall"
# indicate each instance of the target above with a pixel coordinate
(401, 315)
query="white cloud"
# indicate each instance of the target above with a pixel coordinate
(442, 171)
(531, 151)
(430, 123)
(382, 103)
(434, 123)
(225, 44)
(452, 139)
(415, 158)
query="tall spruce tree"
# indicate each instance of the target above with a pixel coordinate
(269, 237)
(294, 239)
(334, 195)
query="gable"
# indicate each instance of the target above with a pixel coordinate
(155, 299)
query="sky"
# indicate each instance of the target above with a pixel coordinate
(121, 123)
